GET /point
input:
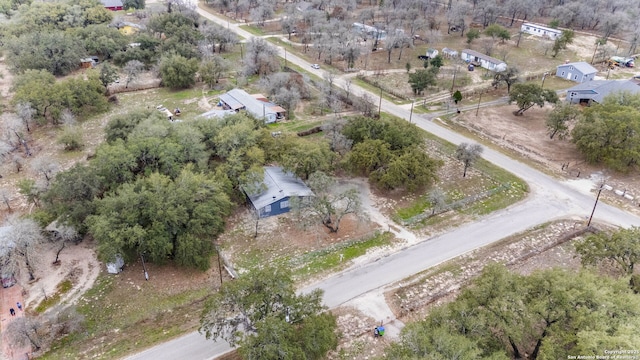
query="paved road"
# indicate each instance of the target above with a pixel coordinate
(549, 199)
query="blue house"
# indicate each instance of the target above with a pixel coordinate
(576, 71)
(279, 187)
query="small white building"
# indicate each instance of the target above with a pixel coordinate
(449, 53)
(540, 30)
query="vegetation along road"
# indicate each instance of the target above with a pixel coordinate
(548, 199)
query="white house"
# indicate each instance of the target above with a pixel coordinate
(539, 30)
(483, 60)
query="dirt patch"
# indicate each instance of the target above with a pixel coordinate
(78, 263)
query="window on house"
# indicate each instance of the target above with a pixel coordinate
(284, 204)
(562, 74)
(570, 67)
(267, 209)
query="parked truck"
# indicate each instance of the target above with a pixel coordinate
(622, 61)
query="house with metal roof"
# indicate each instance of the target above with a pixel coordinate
(597, 90)
(576, 71)
(114, 5)
(277, 188)
(480, 59)
(237, 100)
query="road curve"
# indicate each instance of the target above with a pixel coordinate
(548, 199)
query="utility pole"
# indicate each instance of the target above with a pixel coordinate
(285, 58)
(455, 70)
(411, 113)
(595, 204)
(380, 104)
(146, 274)
(544, 76)
(478, 107)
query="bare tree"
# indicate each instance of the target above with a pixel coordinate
(132, 69)
(366, 106)
(338, 142)
(5, 197)
(289, 99)
(487, 46)
(26, 112)
(63, 234)
(328, 206)
(21, 246)
(67, 117)
(261, 58)
(40, 331)
(45, 166)
(468, 154)
(28, 331)
(438, 200)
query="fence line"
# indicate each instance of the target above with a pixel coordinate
(456, 204)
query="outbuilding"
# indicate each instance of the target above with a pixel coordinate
(596, 90)
(238, 99)
(273, 195)
(482, 60)
(576, 71)
(113, 5)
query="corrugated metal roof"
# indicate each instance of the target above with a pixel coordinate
(217, 113)
(599, 89)
(279, 185)
(254, 106)
(111, 3)
(483, 56)
(583, 67)
(231, 101)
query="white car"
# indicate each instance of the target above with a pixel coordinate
(315, 66)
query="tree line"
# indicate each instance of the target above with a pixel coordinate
(555, 313)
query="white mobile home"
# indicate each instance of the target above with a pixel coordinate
(539, 30)
(485, 61)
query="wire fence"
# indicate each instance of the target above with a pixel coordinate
(456, 204)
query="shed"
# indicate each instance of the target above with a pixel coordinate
(116, 266)
(449, 53)
(279, 187)
(483, 60)
(431, 53)
(576, 71)
(87, 63)
(597, 90)
(114, 5)
(540, 30)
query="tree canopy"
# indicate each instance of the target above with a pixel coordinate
(261, 312)
(609, 133)
(162, 219)
(549, 314)
(620, 248)
(528, 94)
(390, 152)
